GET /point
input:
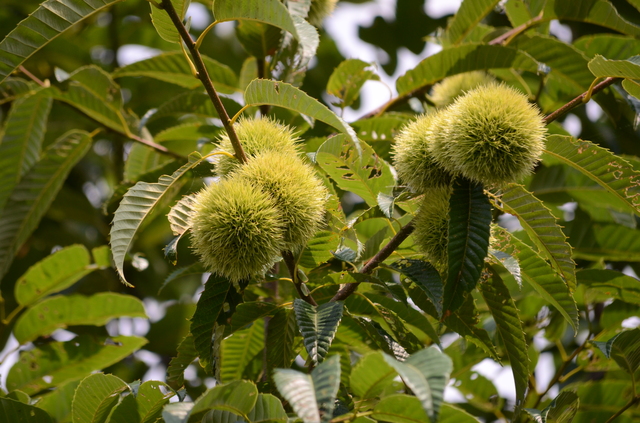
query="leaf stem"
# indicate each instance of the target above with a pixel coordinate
(203, 76)
(155, 146)
(290, 261)
(32, 76)
(579, 100)
(508, 36)
(381, 256)
(630, 404)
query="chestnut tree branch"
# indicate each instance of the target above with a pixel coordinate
(290, 261)
(579, 100)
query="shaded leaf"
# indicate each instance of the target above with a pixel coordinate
(52, 18)
(604, 284)
(469, 222)
(195, 103)
(425, 276)
(562, 409)
(347, 79)
(613, 46)
(239, 349)
(465, 322)
(399, 409)
(371, 375)
(57, 403)
(16, 412)
(318, 326)
(471, 12)
(281, 343)
(451, 414)
(238, 397)
(186, 355)
(95, 397)
(145, 407)
(624, 348)
(249, 312)
(35, 192)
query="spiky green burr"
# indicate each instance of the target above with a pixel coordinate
(449, 89)
(432, 225)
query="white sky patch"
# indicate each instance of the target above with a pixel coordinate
(200, 16)
(561, 31)
(594, 111)
(572, 125)
(131, 53)
(439, 8)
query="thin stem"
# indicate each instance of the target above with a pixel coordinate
(203, 76)
(579, 100)
(508, 36)
(290, 261)
(394, 102)
(32, 76)
(204, 33)
(381, 256)
(630, 404)
(12, 315)
(157, 147)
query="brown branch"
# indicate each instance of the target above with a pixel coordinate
(290, 261)
(517, 30)
(579, 100)
(382, 255)
(203, 76)
(397, 101)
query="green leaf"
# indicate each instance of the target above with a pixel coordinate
(249, 312)
(239, 349)
(258, 39)
(597, 12)
(268, 409)
(537, 273)
(68, 361)
(436, 367)
(508, 263)
(52, 18)
(465, 322)
(365, 175)
(140, 201)
(196, 103)
(602, 285)
(95, 397)
(464, 58)
(347, 79)
(469, 222)
(562, 409)
(17, 412)
(470, 14)
(415, 381)
(611, 172)
(21, 143)
(603, 67)
(313, 396)
(203, 322)
(54, 273)
(613, 46)
(541, 226)
(399, 409)
(186, 355)
(163, 24)
(425, 276)
(275, 93)
(238, 397)
(272, 12)
(318, 326)
(281, 339)
(174, 69)
(599, 241)
(624, 348)
(505, 315)
(92, 91)
(68, 310)
(451, 414)
(34, 193)
(180, 214)
(145, 407)
(371, 375)
(318, 249)
(632, 87)
(57, 403)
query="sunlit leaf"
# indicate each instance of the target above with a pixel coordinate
(613, 46)
(238, 397)
(95, 397)
(58, 402)
(31, 198)
(163, 23)
(400, 409)
(603, 284)
(145, 407)
(471, 12)
(597, 12)
(239, 349)
(68, 310)
(348, 78)
(451, 414)
(371, 375)
(562, 409)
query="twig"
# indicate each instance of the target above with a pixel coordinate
(203, 76)
(160, 148)
(579, 100)
(630, 404)
(382, 255)
(396, 102)
(290, 261)
(31, 76)
(512, 33)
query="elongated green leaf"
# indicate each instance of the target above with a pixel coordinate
(141, 200)
(603, 67)
(603, 285)
(271, 12)
(52, 18)
(258, 39)
(186, 355)
(400, 409)
(541, 226)
(174, 68)
(239, 349)
(282, 346)
(16, 412)
(616, 47)
(203, 323)
(562, 409)
(471, 12)
(537, 273)
(68, 361)
(415, 381)
(318, 326)
(597, 12)
(268, 409)
(145, 407)
(95, 397)
(365, 175)
(451, 414)
(247, 313)
(318, 249)
(465, 58)
(595, 241)
(624, 348)
(180, 214)
(163, 24)
(238, 397)
(632, 87)
(371, 375)
(465, 322)
(275, 93)
(425, 276)
(195, 103)
(92, 91)
(611, 172)
(54, 273)
(469, 223)
(347, 79)
(35, 192)
(67, 310)
(21, 143)
(505, 315)
(436, 367)
(57, 403)
(326, 382)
